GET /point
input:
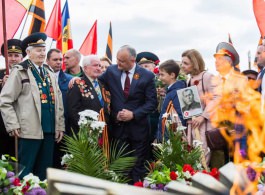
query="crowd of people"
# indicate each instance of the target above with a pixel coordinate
(40, 102)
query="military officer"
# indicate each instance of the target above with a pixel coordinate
(15, 56)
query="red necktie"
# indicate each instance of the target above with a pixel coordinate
(127, 85)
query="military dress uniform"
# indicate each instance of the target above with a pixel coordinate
(31, 101)
(7, 143)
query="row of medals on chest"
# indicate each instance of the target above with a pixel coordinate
(43, 96)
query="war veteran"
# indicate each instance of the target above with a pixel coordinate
(32, 108)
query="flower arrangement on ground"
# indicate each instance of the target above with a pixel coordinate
(177, 161)
(10, 184)
(85, 152)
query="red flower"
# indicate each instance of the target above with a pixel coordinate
(139, 184)
(16, 182)
(100, 142)
(25, 188)
(187, 167)
(215, 173)
(196, 82)
(156, 70)
(173, 175)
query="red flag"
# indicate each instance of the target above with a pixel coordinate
(54, 25)
(258, 8)
(89, 45)
(15, 12)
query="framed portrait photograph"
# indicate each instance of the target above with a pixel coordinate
(190, 102)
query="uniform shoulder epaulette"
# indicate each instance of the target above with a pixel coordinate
(18, 66)
(48, 67)
(24, 64)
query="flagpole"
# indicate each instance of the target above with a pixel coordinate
(249, 60)
(6, 62)
(51, 44)
(4, 34)
(24, 26)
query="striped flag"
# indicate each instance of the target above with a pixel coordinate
(54, 25)
(67, 41)
(38, 16)
(89, 45)
(109, 44)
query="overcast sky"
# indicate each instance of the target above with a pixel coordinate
(166, 27)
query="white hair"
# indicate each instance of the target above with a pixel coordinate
(29, 48)
(88, 59)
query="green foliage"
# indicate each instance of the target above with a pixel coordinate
(176, 151)
(88, 158)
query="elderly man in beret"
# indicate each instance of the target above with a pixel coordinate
(230, 84)
(32, 109)
(15, 56)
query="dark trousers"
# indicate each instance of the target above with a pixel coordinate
(36, 155)
(141, 151)
(7, 143)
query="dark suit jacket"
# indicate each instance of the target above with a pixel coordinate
(171, 95)
(142, 101)
(63, 82)
(83, 98)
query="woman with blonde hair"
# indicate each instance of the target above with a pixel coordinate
(193, 65)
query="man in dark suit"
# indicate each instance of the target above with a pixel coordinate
(133, 98)
(87, 92)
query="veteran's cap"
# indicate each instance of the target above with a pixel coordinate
(35, 40)
(227, 49)
(13, 46)
(147, 57)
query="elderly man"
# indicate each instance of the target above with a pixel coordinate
(87, 93)
(133, 98)
(72, 59)
(147, 60)
(32, 109)
(230, 84)
(15, 56)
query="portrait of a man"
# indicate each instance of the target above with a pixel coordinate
(189, 101)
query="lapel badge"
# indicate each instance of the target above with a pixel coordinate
(136, 76)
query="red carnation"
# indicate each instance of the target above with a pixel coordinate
(100, 142)
(156, 70)
(187, 167)
(196, 82)
(215, 173)
(173, 175)
(139, 184)
(16, 182)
